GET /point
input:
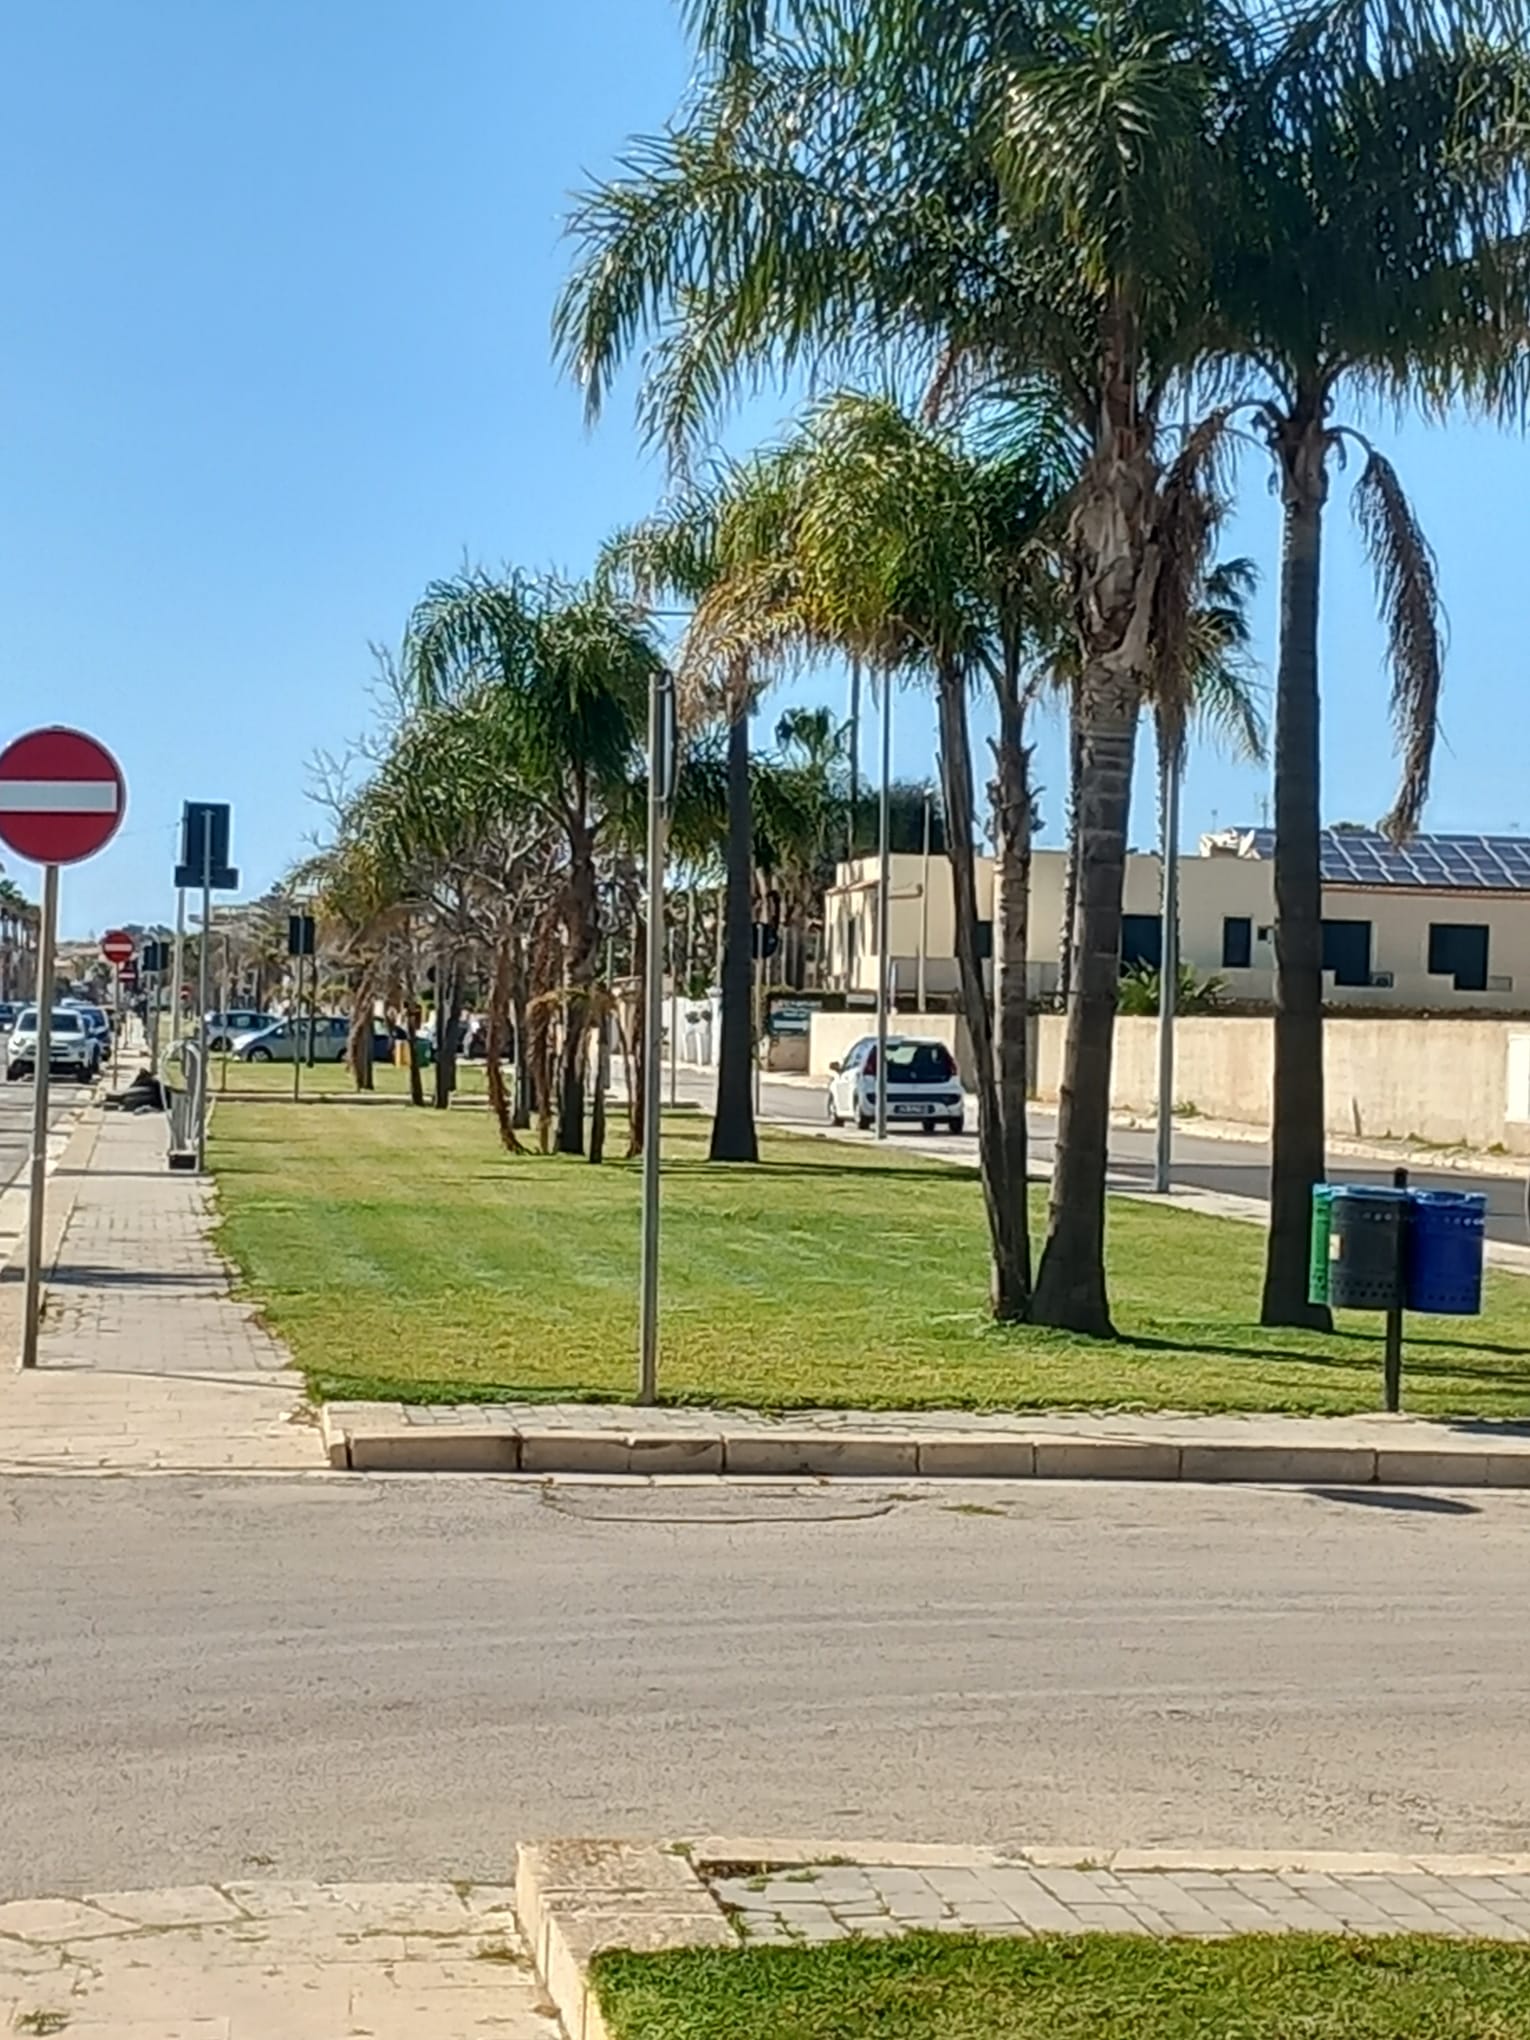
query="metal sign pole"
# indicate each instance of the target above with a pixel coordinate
(884, 894)
(178, 966)
(660, 782)
(296, 1024)
(204, 967)
(1168, 972)
(31, 1308)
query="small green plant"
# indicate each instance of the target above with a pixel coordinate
(1138, 995)
(41, 2022)
(801, 1877)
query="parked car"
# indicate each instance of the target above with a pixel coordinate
(922, 1085)
(74, 1049)
(96, 1019)
(283, 1038)
(8, 1011)
(224, 1029)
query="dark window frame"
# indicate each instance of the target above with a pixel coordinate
(1465, 971)
(1237, 951)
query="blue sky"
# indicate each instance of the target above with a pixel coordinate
(275, 352)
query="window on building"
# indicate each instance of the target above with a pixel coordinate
(1237, 941)
(1459, 950)
(985, 941)
(1347, 951)
(1141, 941)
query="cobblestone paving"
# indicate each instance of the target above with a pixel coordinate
(836, 1901)
(271, 1961)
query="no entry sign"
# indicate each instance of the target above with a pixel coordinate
(117, 946)
(62, 796)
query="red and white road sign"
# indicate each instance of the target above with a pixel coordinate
(62, 796)
(117, 946)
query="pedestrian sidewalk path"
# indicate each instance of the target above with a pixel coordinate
(146, 1360)
(271, 1961)
(577, 1899)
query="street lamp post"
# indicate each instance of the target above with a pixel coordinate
(884, 892)
(661, 773)
(1168, 972)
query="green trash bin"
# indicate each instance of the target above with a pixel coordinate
(1322, 1234)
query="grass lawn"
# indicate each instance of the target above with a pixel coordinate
(1083, 1987)
(234, 1079)
(403, 1256)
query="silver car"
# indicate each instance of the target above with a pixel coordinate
(277, 1043)
(74, 1049)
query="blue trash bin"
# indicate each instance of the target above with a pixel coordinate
(1443, 1268)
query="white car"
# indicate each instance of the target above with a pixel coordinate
(923, 1085)
(74, 1049)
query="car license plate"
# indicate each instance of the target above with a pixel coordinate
(911, 1111)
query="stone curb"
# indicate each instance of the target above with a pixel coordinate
(575, 1899)
(380, 1438)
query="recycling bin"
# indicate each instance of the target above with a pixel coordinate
(1365, 1254)
(1443, 1261)
(1322, 1232)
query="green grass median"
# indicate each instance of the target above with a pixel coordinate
(404, 1257)
(1084, 1987)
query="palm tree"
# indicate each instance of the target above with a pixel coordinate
(708, 538)
(900, 548)
(552, 683)
(996, 190)
(1373, 253)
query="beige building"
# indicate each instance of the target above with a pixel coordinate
(1441, 925)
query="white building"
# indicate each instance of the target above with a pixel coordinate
(1441, 924)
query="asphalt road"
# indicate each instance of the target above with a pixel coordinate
(1238, 1167)
(355, 1677)
(16, 1119)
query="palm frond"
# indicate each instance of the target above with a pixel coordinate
(1407, 591)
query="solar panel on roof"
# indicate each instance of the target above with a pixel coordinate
(1366, 857)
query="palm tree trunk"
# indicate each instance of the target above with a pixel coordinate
(1297, 1119)
(1011, 998)
(581, 920)
(1003, 1201)
(521, 1117)
(637, 1089)
(1070, 1283)
(495, 1042)
(1070, 868)
(359, 1047)
(733, 1132)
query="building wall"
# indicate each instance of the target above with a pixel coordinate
(1450, 1081)
(1213, 889)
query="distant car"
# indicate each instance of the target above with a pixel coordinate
(922, 1085)
(224, 1029)
(284, 1038)
(74, 1050)
(8, 1011)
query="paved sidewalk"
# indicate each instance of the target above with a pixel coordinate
(614, 1438)
(270, 1961)
(844, 1901)
(576, 1899)
(146, 1361)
